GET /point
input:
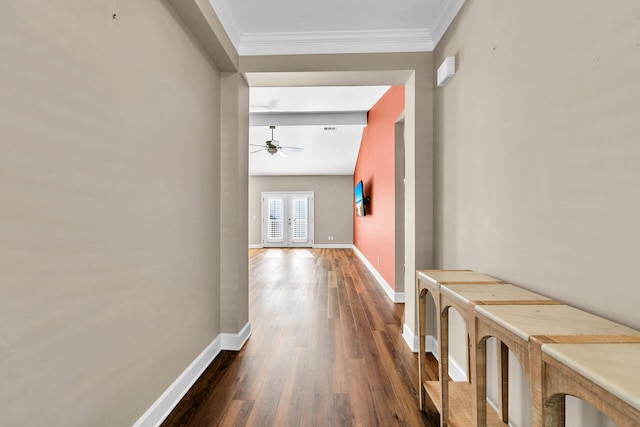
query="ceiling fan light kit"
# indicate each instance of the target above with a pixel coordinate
(273, 146)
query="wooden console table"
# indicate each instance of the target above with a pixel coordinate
(461, 395)
(430, 281)
(524, 329)
(605, 375)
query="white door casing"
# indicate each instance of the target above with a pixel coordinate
(287, 219)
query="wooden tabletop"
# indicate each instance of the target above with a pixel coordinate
(488, 293)
(551, 320)
(614, 367)
(455, 276)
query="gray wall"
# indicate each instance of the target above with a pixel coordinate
(333, 198)
(537, 153)
(109, 209)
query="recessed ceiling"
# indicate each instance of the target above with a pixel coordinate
(280, 27)
(284, 27)
(331, 151)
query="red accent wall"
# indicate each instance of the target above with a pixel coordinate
(374, 234)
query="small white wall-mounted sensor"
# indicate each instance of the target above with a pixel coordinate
(446, 70)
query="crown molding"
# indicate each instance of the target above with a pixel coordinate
(227, 20)
(445, 16)
(333, 42)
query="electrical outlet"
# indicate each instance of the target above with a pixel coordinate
(378, 259)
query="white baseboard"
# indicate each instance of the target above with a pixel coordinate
(431, 344)
(456, 372)
(234, 342)
(412, 340)
(170, 398)
(494, 405)
(395, 296)
(317, 245)
(155, 415)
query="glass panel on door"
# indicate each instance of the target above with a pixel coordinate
(300, 220)
(275, 227)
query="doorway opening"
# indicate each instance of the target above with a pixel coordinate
(287, 219)
(409, 130)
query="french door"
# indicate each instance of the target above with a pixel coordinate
(287, 219)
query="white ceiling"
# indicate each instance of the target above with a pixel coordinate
(326, 151)
(284, 27)
(274, 27)
(315, 99)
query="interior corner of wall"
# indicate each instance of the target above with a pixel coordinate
(410, 338)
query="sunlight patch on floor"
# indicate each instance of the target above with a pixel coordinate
(274, 253)
(304, 253)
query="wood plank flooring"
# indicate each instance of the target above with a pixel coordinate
(326, 350)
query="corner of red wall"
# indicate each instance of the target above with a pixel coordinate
(374, 234)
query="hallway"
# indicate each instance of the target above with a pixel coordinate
(326, 350)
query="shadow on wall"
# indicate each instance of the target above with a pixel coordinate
(368, 192)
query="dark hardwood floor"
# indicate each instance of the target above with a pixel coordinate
(326, 350)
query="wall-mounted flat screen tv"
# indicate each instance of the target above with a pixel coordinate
(360, 199)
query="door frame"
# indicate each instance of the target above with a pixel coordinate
(287, 220)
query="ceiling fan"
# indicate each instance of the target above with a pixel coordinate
(273, 146)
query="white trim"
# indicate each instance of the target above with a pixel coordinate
(395, 296)
(155, 415)
(413, 341)
(324, 42)
(170, 398)
(287, 238)
(456, 372)
(318, 42)
(444, 17)
(494, 405)
(229, 23)
(431, 344)
(315, 246)
(234, 342)
(333, 246)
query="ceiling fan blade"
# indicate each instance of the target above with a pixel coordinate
(293, 148)
(282, 153)
(257, 151)
(257, 145)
